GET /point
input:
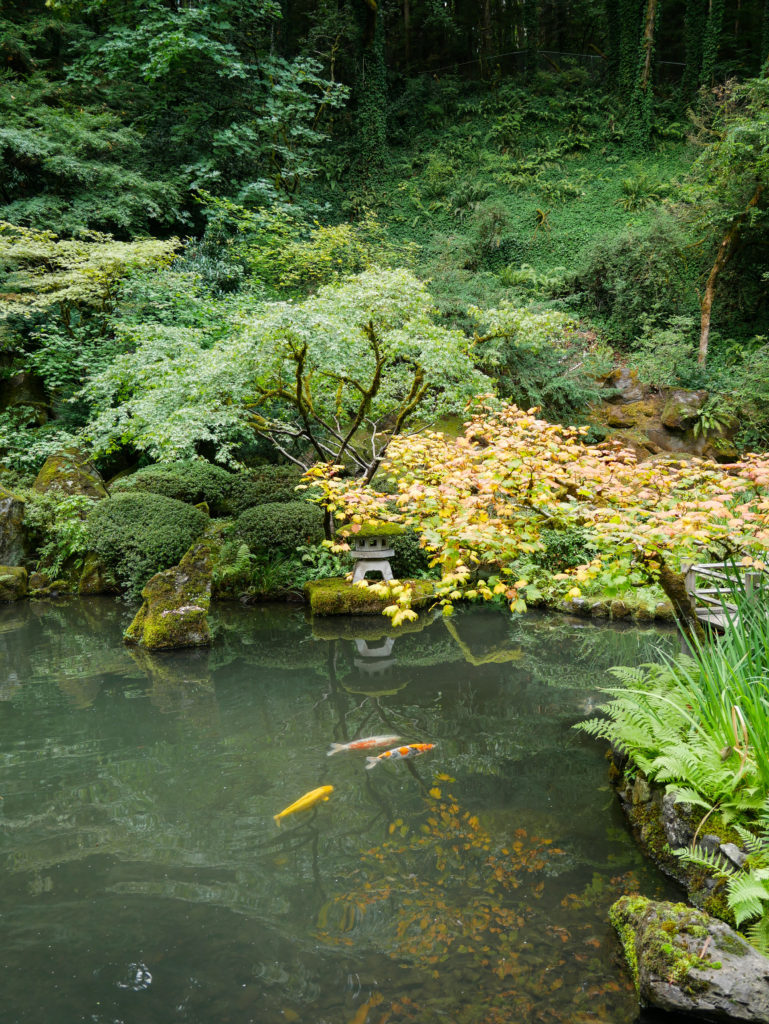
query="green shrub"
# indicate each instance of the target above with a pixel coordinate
(189, 481)
(280, 526)
(564, 549)
(226, 494)
(56, 526)
(137, 535)
(267, 485)
(643, 271)
(410, 561)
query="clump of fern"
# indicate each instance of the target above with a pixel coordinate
(699, 724)
(747, 888)
(653, 719)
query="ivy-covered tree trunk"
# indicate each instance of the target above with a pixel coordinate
(640, 113)
(611, 9)
(629, 21)
(372, 89)
(531, 30)
(764, 37)
(694, 30)
(711, 40)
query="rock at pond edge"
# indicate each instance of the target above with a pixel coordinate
(685, 961)
(335, 596)
(11, 528)
(13, 583)
(174, 613)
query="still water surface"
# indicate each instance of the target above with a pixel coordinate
(144, 881)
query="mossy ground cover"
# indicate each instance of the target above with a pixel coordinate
(510, 179)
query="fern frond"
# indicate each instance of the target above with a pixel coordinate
(747, 896)
(711, 860)
(758, 934)
(755, 845)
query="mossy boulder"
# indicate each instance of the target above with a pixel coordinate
(685, 961)
(11, 528)
(13, 583)
(135, 535)
(94, 577)
(176, 602)
(338, 597)
(682, 408)
(72, 472)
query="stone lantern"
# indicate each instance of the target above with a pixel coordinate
(370, 547)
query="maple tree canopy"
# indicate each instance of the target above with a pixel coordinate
(484, 498)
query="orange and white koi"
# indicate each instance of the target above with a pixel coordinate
(363, 744)
(304, 803)
(399, 753)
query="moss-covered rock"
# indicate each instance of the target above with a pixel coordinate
(176, 602)
(682, 408)
(94, 577)
(13, 583)
(683, 960)
(11, 528)
(72, 472)
(338, 597)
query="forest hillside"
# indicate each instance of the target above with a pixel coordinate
(253, 237)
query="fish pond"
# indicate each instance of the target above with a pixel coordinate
(144, 880)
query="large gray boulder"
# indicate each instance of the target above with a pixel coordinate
(685, 961)
(11, 528)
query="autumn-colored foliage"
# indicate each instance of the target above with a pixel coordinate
(483, 499)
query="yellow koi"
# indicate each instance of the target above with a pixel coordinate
(362, 1015)
(305, 802)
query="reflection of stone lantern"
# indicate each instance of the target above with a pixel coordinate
(370, 547)
(376, 662)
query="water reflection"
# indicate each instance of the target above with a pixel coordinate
(143, 873)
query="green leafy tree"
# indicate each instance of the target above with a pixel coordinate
(729, 188)
(331, 378)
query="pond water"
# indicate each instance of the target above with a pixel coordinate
(144, 880)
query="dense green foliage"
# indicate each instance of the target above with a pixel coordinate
(386, 211)
(136, 535)
(225, 493)
(698, 724)
(280, 526)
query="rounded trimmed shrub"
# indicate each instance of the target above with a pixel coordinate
(266, 485)
(280, 526)
(137, 535)
(190, 482)
(225, 493)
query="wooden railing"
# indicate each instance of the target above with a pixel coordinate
(711, 584)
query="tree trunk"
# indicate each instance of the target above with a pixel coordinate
(712, 40)
(725, 250)
(673, 585)
(407, 31)
(647, 43)
(694, 30)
